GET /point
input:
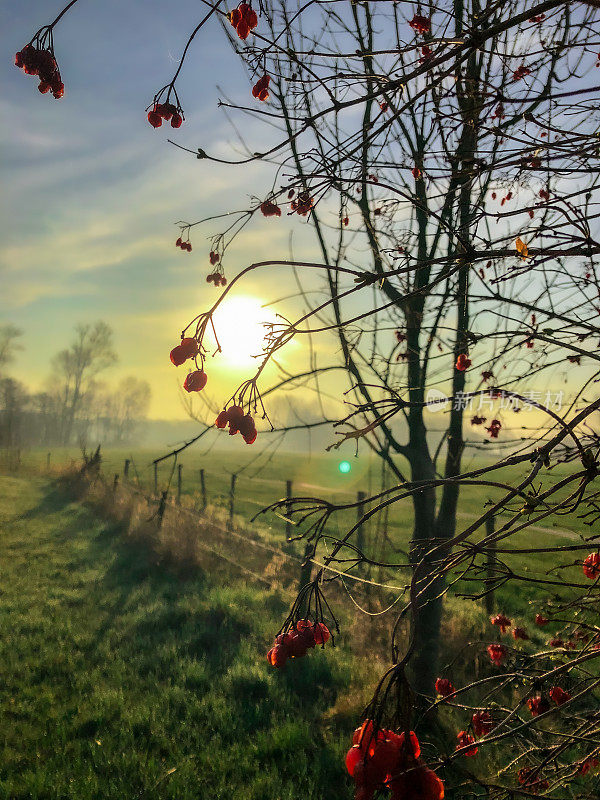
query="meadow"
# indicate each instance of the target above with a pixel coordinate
(262, 480)
(121, 677)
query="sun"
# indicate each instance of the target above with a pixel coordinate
(240, 325)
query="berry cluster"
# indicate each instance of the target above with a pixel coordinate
(166, 111)
(238, 423)
(521, 72)
(538, 705)
(296, 642)
(382, 758)
(260, 90)
(187, 348)
(269, 209)
(184, 245)
(244, 19)
(482, 723)
(501, 621)
(463, 362)
(559, 696)
(465, 740)
(528, 777)
(41, 62)
(303, 203)
(496, 652)
(420, 24)
(494, 428)
(217, 278)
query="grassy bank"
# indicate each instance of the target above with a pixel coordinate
(120, 680)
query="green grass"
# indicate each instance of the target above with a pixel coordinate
(119, 680)
(262, 481)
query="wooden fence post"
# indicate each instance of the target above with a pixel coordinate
(231, 500)
(126, 469)
(179, 482)
(288, 510)
(115, 483)
(203, 489)
(155, 478)
(48, 462)
(490, 563)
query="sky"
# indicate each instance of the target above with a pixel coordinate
(92, 192)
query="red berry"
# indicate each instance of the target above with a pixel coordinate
(297, 646)
(353, 756)
(591, 566)
(236, 413)
(222, 420)
(155, 119)
(195, 381)
(187, 348)
(277, 656)
(413, 746)
(260, 90)
(321, 633)
(176, 120)
(444, 687)
(246, 425)
(177, 356)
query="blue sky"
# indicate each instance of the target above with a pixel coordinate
(92, 191)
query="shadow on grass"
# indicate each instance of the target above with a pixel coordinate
(166, 671)
(55, 499)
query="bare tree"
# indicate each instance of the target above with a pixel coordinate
(446, 156)
(121, 411)
(8, 343)
(75, 368)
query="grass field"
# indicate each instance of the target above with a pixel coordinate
(118, 680)
(261, 481)
(121, 679)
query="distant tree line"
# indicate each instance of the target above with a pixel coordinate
(76, 406)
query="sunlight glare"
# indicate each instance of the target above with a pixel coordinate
(239, 323)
